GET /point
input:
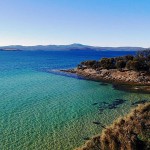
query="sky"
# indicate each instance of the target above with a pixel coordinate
(61, 22)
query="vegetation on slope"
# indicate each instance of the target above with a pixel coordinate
(131, 132)
(140, 62)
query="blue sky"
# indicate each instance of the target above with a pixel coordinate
(91, 22)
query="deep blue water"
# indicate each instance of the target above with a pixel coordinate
(40, 60)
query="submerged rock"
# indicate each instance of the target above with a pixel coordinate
(86, 138)
(113, 105)
(94, 103)
(97, 123)
(139, 102)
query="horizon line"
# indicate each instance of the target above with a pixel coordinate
(70, 45)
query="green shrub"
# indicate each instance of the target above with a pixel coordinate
(107, 63)
(133, 65)
(120, 64)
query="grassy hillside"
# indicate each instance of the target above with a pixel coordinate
(131, 132)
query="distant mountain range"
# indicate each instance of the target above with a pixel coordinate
(73, 47)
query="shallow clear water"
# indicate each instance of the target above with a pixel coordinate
(45, 111)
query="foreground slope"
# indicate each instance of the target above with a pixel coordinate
(131, 132)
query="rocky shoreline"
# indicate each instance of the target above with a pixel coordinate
(124, 79)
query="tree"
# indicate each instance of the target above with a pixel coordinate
(120, 64)
(143, 54)
(133, 65)
(107, 63)
(129, 57)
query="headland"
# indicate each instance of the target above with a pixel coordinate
(130, 73)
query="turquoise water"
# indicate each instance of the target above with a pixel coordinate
(45, 111)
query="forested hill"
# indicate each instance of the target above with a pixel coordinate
(68, 47)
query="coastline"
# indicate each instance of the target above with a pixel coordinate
(126, 80)
(128, 132)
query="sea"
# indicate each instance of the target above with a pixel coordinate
(42, 109)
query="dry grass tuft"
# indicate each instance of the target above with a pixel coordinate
(131, 132)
